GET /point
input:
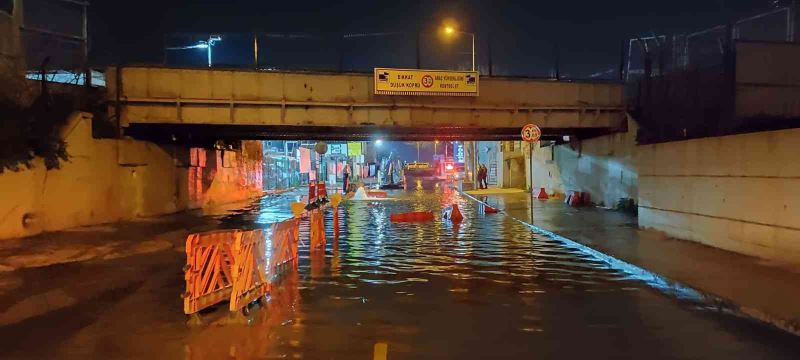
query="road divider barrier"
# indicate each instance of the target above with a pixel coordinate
(417, 216)
(378, 194)
(237, 266)
(208, 269)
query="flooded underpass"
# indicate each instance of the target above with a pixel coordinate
(483, 289)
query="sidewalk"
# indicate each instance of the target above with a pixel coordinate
(748, 286)
(495, 191)
(54, 271)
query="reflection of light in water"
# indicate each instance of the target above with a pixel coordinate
(380, 223)
(268, 250)
(513, 267)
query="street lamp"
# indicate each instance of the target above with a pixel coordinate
(202, 44)
(451, 30)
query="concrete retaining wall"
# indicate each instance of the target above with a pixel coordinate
(737, 192)
(603, 166)
(9, 35)
(112, 180)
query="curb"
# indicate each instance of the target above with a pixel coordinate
(664, 284)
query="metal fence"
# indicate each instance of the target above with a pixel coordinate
(705, 49)
(683, 86)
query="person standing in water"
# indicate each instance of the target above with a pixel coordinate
(346, 177)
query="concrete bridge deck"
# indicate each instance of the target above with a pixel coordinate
(153, 101)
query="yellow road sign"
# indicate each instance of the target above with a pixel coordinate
(425, 82)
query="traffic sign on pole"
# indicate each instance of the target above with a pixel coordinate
(531, 133)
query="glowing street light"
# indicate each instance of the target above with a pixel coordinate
(202, 44)
(451, 30)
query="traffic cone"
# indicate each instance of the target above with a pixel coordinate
(455, 215)
(541, 194)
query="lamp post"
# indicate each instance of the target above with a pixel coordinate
(202, 44)
(450, 30)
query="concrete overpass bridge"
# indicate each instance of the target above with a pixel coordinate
(159, 103)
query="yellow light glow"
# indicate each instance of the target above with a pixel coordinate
(449, 30)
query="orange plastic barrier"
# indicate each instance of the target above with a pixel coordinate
(249, 269)
(235, 265)
(285, 238)
(378, 194)
(419, 216)
(317, 229)
(209, 257)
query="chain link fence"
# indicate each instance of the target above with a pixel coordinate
(683, 86)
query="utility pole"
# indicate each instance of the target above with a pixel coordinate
(255, 52)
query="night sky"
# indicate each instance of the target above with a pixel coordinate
(522, 35)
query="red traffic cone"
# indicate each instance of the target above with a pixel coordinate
(541, 194)
(455, 215)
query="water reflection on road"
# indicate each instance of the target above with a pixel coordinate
(485, 288)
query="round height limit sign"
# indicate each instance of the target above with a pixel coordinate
(531, 133)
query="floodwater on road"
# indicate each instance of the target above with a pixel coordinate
(486, 288)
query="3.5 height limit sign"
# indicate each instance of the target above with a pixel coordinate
(531, 133)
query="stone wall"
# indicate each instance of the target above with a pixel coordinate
(603, 166)
(733, 192)
(112, 180)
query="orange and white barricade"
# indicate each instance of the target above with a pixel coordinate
(250, 269)
(235, 265)
(285, 239)
(208, 275)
